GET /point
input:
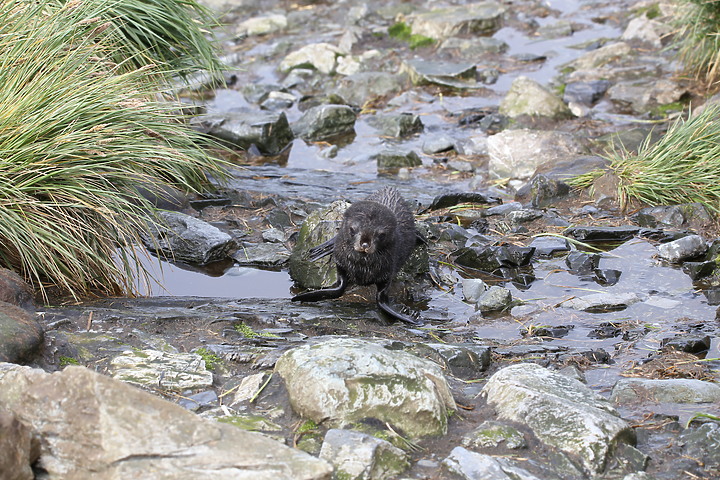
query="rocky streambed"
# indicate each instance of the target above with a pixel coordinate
(561, 337)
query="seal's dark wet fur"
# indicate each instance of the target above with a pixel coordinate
(376, 237)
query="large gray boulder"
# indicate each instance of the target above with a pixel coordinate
(561, 411)
(188, 239)
(345, 380)
(92, 426)
(518, 153)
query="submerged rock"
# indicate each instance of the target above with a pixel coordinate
(359, 456)
(561, 412)
(92, 426)
(346, 380)
(602, 302)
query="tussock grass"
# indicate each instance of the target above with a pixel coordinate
(682, 167)
(698, 39)
(80, 132)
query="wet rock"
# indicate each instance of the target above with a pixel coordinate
(549, 245)
(527, 97)
(523, 215)
(492, 434)
(675, 390)
(558, 29)
(188, 239)
(674, 216)
(446, 200)
(542, 191)
(504, 209)
(278, 101)
(262, 255)
(262, 25)
(490, 258)
(698, 270)
(494, 299)
(473, 289)
(325, 121)
(474, 47)
(454, 75)
(644, 95)
(363, 87)
(518, 153)
(21, 336)
(18, 448)
(400, 125)
(703, 443)
(345, 380)
(195, 402)
(687, 343)
(14, 290)
(360, 456)
(471, 465)
(439, 144)
(478, 19)
(318, 56)
(602, 302)
(586, 93)
(163, 370)
(92, 426)
(317, 228)
(602, 234)
(269, 132)
(561, 412)
(597, 59)
(645, 30)
(462, 360)
(607, 276)
(581, 263)
(683, 248)
(393, 159)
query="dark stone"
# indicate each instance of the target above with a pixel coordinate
(199, 400)
(602, 234)
(607, 276)
(396, 159)
(703, 443)
(687, 343)
(269, 132)
(490, 258)
(551, 332)
(463, 361)
(14, 290)
(581, 263)
(697, 270)
(713, 296)
(20, 334)
(549, 245)
(605, 330)
(324, 122)
(400, 125)
(210, 200)
(446, 200)
(542, 191)
(585, 92)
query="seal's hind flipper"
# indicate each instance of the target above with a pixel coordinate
(335, 291)
(322, 250)
(383, 303)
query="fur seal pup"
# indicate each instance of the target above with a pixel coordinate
(376, 237)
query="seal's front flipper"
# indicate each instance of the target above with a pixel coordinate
(323, 294)
(322, 250)
(383, 303)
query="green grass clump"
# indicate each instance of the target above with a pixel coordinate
(698, 39)
(211, 360)
(403, 32)
(80, 134)
(682, 167)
